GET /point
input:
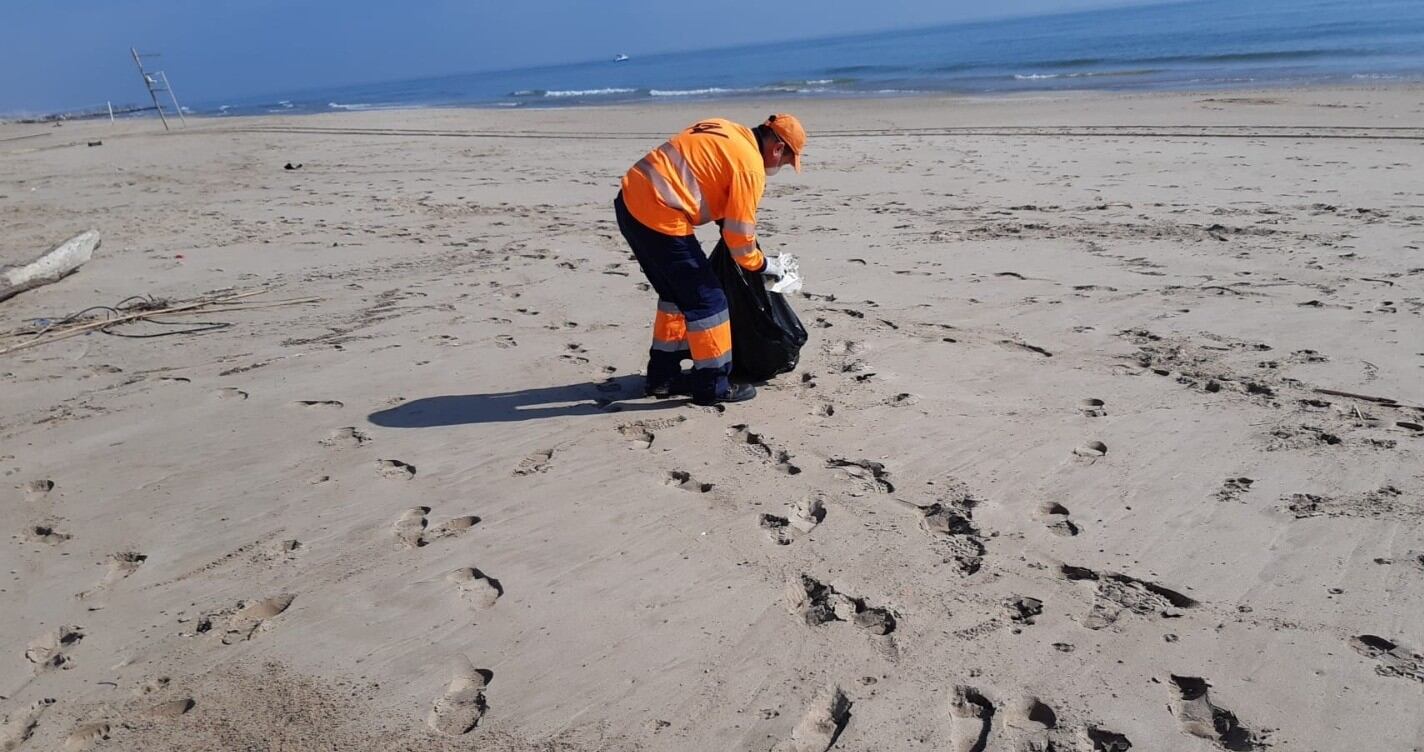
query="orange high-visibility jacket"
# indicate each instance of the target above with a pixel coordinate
(711, 171)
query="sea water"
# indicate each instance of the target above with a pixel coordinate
(1201, 44)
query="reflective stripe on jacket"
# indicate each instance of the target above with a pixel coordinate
(712, 171)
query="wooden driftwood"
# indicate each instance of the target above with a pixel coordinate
(1386, 401)
(150, 312)
(50, 267)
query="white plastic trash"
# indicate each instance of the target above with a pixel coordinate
(790, 281)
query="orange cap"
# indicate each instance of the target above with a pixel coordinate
(788, 129)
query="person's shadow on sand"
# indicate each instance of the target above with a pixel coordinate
(587, 398)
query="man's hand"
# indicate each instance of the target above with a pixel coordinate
(774, 267)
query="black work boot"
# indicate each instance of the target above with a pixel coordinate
(678, 386)
(734, 393)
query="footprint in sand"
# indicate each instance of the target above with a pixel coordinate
(807, 513)
(245, 620)
(1093, 408)
(776, 528)
(538, 462)
(51, 649)
(953, 526)
(345, 437)
(1233, 489)
(462, 706)
(86, 736)
(1091, 450)
(756, 446)
(1197, 715)
(903, 399)
(1028, 724)
(1055, 516)
(451, 527)
(38, 488)
(167, 711)
(231, 393)
(319, 404)
(410, 527)
(121, 565)
(802, 517)
(284, 549)
(682, 479)
(873, 474)
(637, 435)
(1022, 609)
(1019, 345)
(1393, 659)
(640, 432)
(46, 534)
(1285, 438)
(817, 603)
(474, 586)
(395, 469)
(1117, 594)
(825, 718)
(150, 686)
(412, 531)
(505, 341)
(17, 727)
(256, 616)
(574, 353)
(1102, 740)
(971, 715)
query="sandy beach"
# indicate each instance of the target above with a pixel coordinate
(1109, 435)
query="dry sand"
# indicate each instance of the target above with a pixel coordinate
(1066, 460)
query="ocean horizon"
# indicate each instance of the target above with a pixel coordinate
(1198, 44)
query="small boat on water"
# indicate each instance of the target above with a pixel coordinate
(620, 57)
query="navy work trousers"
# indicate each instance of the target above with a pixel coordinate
(692, 321)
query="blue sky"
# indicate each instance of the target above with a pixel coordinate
(74, 53)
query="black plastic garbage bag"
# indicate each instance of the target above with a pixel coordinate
(766, 334)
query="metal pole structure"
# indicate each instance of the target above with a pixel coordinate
(111, 113)
(173, 96)
(148, 83)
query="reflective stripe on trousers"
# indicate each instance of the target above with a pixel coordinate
(669, 328)
(710, 340)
